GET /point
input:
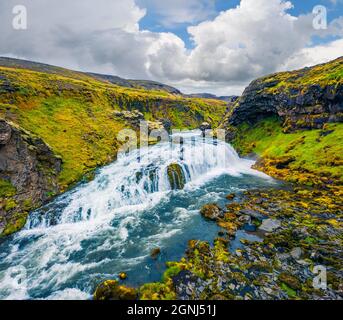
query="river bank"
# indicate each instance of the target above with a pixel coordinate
(299, 234)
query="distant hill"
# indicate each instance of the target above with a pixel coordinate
(229, 99)
(42, 67)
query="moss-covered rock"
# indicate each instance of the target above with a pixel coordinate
(270, 268)
(290, 280)
(176, 176)
(14, 223)
(211, 211)
(111, 290)
(303, 99)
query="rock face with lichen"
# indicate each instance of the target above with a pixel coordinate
(303, 99)
(30, 167)
(176, 176)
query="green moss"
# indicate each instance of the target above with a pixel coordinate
(156, 291)
(171, 272)
(290, 280)
(304, 156)
(111, 290)
(329, 74)
(10, 204)
(290, 292)
(6, 189)
(16, 223)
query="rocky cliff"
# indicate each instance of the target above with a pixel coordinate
(293, 122)
(303, 99)
(28, 167)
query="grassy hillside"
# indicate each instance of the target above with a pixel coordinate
(75, 116)
(306, 157)
(49, 69)
(323, 75)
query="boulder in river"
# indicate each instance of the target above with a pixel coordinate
(211, 212)
(155, 253)
(122, 276)
(176, 176)
(205, 126)
(111, 290)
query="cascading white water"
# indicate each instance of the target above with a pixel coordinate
(140, 179)
(111, 223)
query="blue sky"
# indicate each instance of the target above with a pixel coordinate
(152, 20)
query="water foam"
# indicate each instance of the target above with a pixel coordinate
(113, 203)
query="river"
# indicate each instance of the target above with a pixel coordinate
(111, 224)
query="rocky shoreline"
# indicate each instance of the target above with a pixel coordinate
(299, 232)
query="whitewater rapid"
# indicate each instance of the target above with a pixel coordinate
(73, 242)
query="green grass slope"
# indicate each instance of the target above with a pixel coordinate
(306, 157)
(75, 116)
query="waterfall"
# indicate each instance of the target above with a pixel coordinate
(111, 224)
(140, 179)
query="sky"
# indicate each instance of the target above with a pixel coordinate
(215, 46)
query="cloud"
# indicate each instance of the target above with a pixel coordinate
(255, 38)
(315, 55)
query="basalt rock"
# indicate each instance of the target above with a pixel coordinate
(155, 253)
(30, 166)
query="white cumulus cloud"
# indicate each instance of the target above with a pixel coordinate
(255, 38)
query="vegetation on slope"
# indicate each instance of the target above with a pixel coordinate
(293, 122)
(323, 75)
(306, 157)
(75, 116)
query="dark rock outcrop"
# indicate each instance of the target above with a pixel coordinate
(29, 165)
(299, 98)
(211, 212)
